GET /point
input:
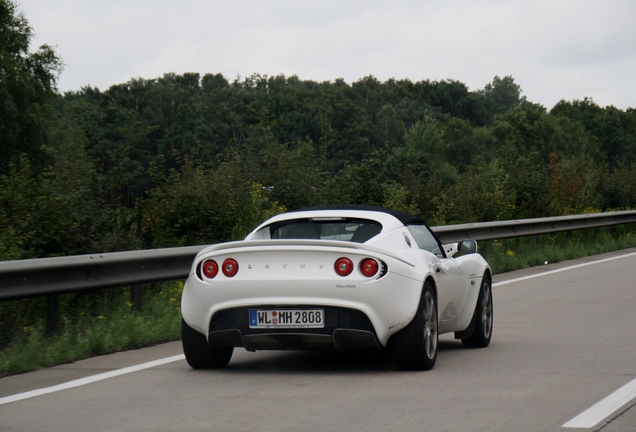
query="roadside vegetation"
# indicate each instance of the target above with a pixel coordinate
(196, 158)
(92, 324)
(523, 252)
(106, 322)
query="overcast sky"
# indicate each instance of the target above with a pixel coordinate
(554, 49)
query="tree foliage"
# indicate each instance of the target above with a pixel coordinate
(194, 159)
(27, 87)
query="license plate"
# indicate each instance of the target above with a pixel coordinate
(287, 318)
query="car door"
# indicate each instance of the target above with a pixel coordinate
(452, 280)
(453, 287)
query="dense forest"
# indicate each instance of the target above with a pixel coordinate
(195, 159)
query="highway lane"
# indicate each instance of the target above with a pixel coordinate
(562, 343)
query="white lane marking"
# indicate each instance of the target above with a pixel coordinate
(521, 279)
(612, 403)
(595, 414)
(90, 379)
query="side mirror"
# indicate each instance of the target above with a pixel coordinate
(466, 247)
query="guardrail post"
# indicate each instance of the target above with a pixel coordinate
(135, 297)
(52, 312)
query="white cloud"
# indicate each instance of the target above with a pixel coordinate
(558, 49)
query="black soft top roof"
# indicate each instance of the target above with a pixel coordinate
(405, 218)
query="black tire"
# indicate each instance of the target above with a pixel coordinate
(483, 317)
(199, 354)
(415, 346)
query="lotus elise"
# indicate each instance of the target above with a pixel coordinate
(338, 277)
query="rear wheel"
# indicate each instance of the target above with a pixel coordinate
(199, 354)
(415, 346)
(483, 318)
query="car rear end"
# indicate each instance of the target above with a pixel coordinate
(299, 294)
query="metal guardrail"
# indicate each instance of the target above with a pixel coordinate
(52, 276)
(44, 276)
(531, 227)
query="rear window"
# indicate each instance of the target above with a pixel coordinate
(343, 229)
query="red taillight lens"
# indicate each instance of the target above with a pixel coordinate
(369, 267)
(210, 269)
(230, 267)
(343, 266)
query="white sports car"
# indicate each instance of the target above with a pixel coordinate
(338, 277)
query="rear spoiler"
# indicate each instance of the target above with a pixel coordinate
(269, 245)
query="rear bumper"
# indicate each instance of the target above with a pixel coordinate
(388, 304)
(345, 330)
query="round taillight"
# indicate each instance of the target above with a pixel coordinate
(210, 269)
(230, 267)
(369, 267)
(343, 266)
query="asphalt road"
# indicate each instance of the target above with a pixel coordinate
(563, 343)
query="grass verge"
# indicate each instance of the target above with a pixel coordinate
(105, 321)
(90, 327)
(523, 252)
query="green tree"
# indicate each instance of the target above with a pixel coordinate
(20, 199)
(525, 129)
(482, 194)
(356, 183)
(27, 85)
(196, 205)
(290, 174)
(618, 188)
(389, 129)
(501, 95)
(574, 185)
(51, 213)
(614, 129)
(463, 143)
(423, 153)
